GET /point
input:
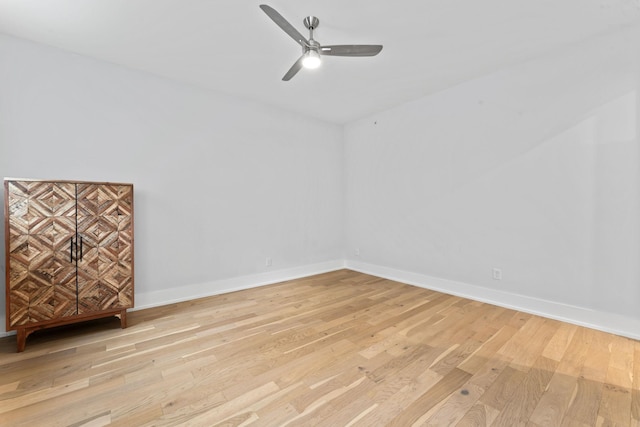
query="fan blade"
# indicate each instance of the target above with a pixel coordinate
(285, 25)
(351, 50)
(294, 69)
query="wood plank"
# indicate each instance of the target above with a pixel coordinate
(555, 401)
(479, 415)
(519, 408)
(503, 388)
(458, 405)
(449, 384)
(585, 402)
(557, 346)
(615, 407)
(635, 397)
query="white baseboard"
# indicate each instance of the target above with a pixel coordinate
(607, 322)
(206, 289)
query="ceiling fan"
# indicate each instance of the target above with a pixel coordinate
(312, 51)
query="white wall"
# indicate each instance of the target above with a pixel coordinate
(220, 183)
(533, 170)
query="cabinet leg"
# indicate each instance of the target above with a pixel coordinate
(123, 319)
(22, 339)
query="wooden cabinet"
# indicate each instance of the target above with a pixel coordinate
(69, 253)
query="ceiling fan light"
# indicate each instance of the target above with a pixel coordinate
(311, 59)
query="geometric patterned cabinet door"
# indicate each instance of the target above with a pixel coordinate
(105, 264)
(69, 253)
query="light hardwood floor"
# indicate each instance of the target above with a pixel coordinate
(338, 349)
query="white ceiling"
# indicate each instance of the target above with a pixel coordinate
(231, 46)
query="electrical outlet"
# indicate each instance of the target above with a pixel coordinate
(357, 252)
(497, 274)
(268, 262)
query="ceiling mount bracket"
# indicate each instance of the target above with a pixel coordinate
(311, 22)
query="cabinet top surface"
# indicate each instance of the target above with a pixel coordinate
(72, 181)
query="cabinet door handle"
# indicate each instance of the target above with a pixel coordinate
(71, 249)
(80, 248)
